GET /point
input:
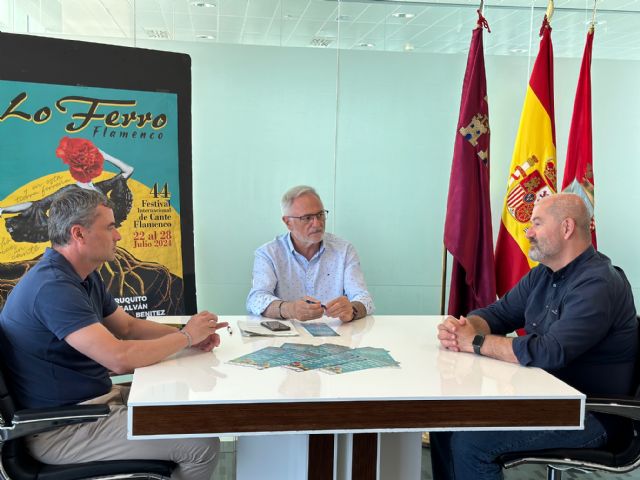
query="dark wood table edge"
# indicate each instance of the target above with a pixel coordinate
(353, 416)
(363, 418)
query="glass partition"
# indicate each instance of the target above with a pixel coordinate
(360, 99)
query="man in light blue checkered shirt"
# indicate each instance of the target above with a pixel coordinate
(306, 272)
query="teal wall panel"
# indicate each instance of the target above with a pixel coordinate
(373, 132)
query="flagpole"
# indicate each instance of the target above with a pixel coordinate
(443, 290)
(593, 17)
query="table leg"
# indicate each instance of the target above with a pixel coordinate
(321, 456)
(365, 456)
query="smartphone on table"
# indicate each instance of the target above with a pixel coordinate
(275, 326)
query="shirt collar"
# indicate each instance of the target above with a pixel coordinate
(56, 257)
(294, 251)
(572, 265)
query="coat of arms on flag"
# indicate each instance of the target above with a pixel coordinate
(528, 189)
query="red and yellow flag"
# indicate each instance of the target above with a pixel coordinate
(533, 169)
(578, 170)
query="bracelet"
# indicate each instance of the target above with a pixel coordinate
(280, 310)
(188, 336)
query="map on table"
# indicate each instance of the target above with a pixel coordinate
(327, 358)
(320, 330)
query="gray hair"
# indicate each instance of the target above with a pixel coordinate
(73, 206)
(571, 205)
(293, 193)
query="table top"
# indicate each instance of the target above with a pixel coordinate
(428, 378)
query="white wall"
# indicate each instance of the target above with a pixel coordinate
(264, 119)
(373, 132)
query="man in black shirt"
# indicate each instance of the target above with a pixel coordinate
(580, 321)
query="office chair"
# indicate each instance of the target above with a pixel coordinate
(17, 464)
(620, 456)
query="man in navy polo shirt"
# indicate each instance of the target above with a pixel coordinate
(63, 333)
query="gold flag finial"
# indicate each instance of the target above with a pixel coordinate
(549, 10)
(592, 26)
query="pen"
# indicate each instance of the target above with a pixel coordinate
(229, 329)
(314, 303)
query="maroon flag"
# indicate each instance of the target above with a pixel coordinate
(578, 170)
(467, 230)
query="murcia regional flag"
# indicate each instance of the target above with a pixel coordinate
(467, 228)
(533, 169)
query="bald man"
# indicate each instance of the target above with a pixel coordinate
(580, 320)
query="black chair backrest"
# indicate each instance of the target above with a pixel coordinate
(636, 373)
(7, 407)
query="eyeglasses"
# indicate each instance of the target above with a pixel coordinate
(321, 216)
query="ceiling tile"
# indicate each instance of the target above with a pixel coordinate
(438, 25)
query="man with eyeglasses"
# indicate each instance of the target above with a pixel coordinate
(306, 272)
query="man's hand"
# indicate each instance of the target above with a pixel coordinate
(340, 308)
(456, 334)
(202, 328)
(307, 308)
(209, 343)
(98, 342)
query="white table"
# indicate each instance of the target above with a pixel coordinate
(199, 394)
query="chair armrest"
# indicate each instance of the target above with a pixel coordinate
(32, 421)
(69, 411)
(623, 406)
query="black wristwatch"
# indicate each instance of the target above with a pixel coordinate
(478, 340)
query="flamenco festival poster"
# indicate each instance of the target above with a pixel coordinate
(123, 143)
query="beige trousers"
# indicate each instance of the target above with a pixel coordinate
(106, 439)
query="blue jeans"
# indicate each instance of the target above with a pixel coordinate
(472, 455)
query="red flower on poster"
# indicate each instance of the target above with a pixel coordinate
(83, 157)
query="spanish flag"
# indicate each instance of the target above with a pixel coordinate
(533, 169)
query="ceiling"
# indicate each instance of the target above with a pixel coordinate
(400, 26)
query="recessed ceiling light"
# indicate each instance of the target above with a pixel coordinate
(288, 16)
(206, 37)
(344, 18)
(403, 15)
(409, 47)
(366, 45)
(517, 50)
(320, 42)
(597, 22)
(203, 4)
(157, 33)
